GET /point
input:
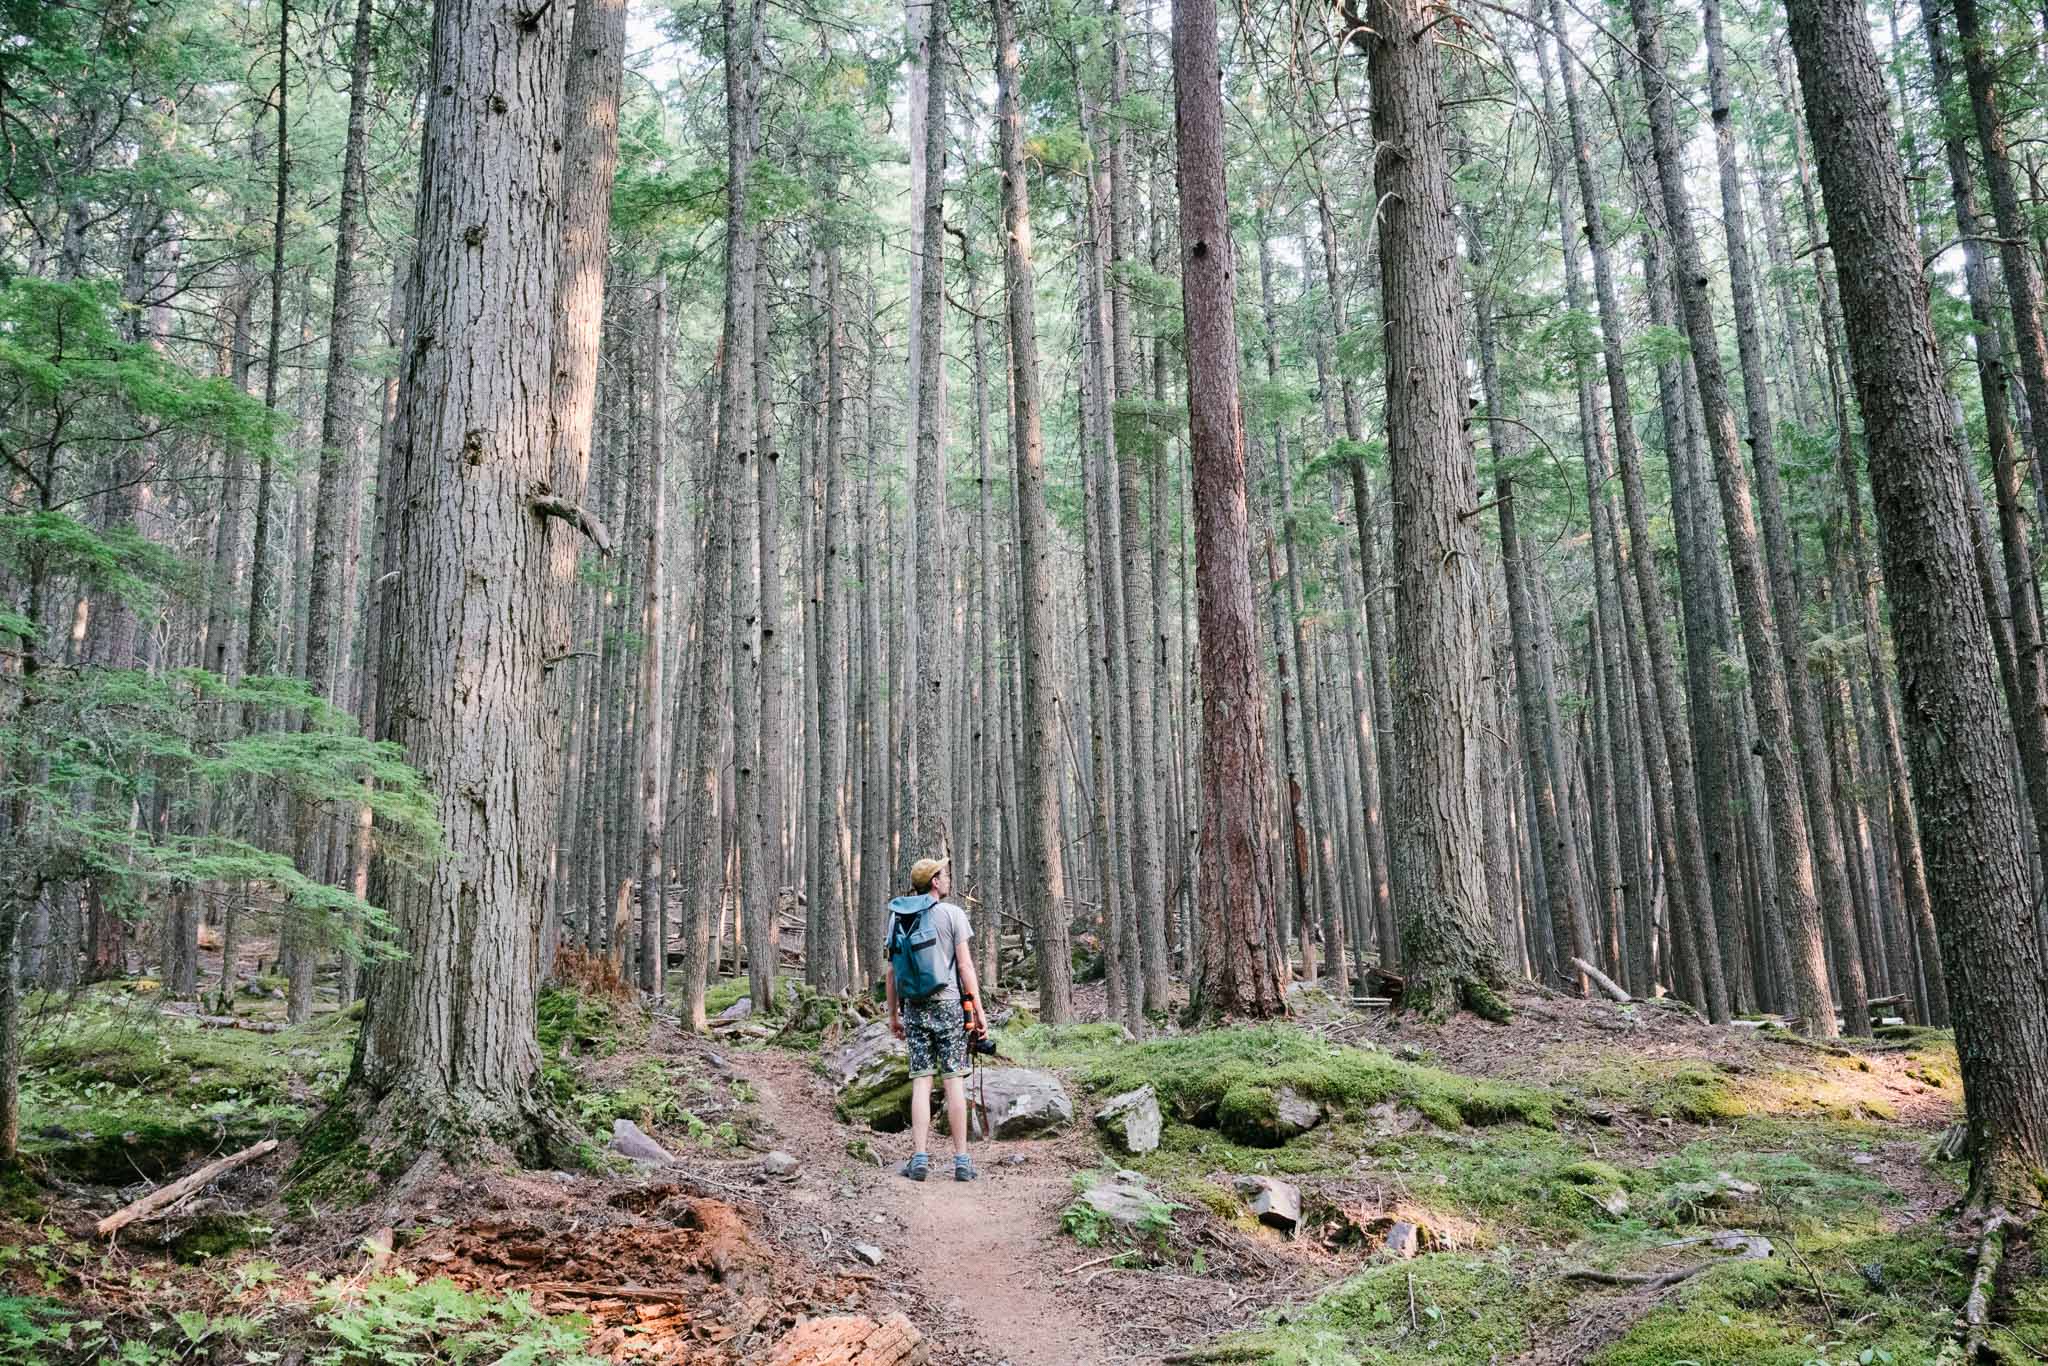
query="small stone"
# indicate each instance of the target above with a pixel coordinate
(778, 1163)
(630, 1141)
(1615, 1202)
(1276, 1204)
(1295, 1112)
(1012, 1160)
(1864, 1160)
(1746, 1244)
(1404, 1240)
(1129, 1206)
(868, 1253)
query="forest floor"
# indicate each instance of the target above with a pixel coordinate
(1798, 1180)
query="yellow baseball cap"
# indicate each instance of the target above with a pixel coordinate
(923, 871)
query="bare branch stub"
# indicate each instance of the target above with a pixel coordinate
(547, 505)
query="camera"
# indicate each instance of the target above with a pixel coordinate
(981, 1043)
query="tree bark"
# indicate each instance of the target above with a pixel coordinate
(447, 1057)
(1236, 888)
(1970, 811)
(1438, 840)
(1040, 875)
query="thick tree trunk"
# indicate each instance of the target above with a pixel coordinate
(1040, 873)
(1970, 810)
(1237, 884)
(447, 1058)
(1438, 839)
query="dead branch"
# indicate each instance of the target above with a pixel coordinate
(547, 505)
(1602, 981)
(1977, 1307)
(1643, 1280)
(166, 1196)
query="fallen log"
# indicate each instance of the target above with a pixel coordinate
(165, 1196)
(1602, 981)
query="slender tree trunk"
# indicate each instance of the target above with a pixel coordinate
(654, 673)
(932, 668)
(1798, 909)
(1041, 877)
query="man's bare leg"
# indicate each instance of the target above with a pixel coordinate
(921, 1110)
(956, 1113)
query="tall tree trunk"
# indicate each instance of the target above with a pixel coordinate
(1566, 906)
(1798, 909)
(1236, 889)
(447, 1057)
(653, 649)
(1040, 874)
(931, 803)
(1438, 843)
(1971, 819)
(1829, 856)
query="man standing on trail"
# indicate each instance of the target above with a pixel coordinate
(930, 976)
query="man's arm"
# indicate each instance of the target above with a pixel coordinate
(895, 1007)
(970, 988)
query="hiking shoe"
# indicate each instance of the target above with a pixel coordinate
(963, 1169)
(917, 1167)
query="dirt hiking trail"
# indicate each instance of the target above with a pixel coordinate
(983, 1258)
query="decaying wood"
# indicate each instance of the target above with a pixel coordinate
(1635, 1279)
(850, 1340)
(1602, 981)
(1977, 1306)
(165, 1196)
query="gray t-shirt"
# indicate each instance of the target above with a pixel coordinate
(950, 922)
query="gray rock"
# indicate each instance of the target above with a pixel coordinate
(1744, 1244)
(778, 1163)
(1408, 1052)
(1132, 1119)
(1128, 1206)
(1294, 1113)
(1615, 1202)
(1276, 1204)
(629, 1140)
(1389, 1120)
(868, 1253)
(1022, 1101)
(1404, 1240)
(739, 1010)
(871, 1074)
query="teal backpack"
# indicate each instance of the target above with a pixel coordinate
(914, 953)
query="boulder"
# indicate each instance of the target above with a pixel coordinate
(1022, 1101)
(1403, 1240)
(778, 1163)
(738, 1010)
(1125, 1205)
(871, 1074)
(1131, 1120)
(1266, 1116)
(1276, 1204)
(630, 1141)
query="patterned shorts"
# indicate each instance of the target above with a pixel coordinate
(937, 1034)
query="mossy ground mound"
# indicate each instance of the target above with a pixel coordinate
(1228, 1078)
(115, 1090)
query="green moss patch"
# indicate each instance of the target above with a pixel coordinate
(1892, 1297)
(1466, 1309)
(1224, 1074)
(114, 1091)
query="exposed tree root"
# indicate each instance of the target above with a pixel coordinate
(1637, 1279)
(1984, 1284)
